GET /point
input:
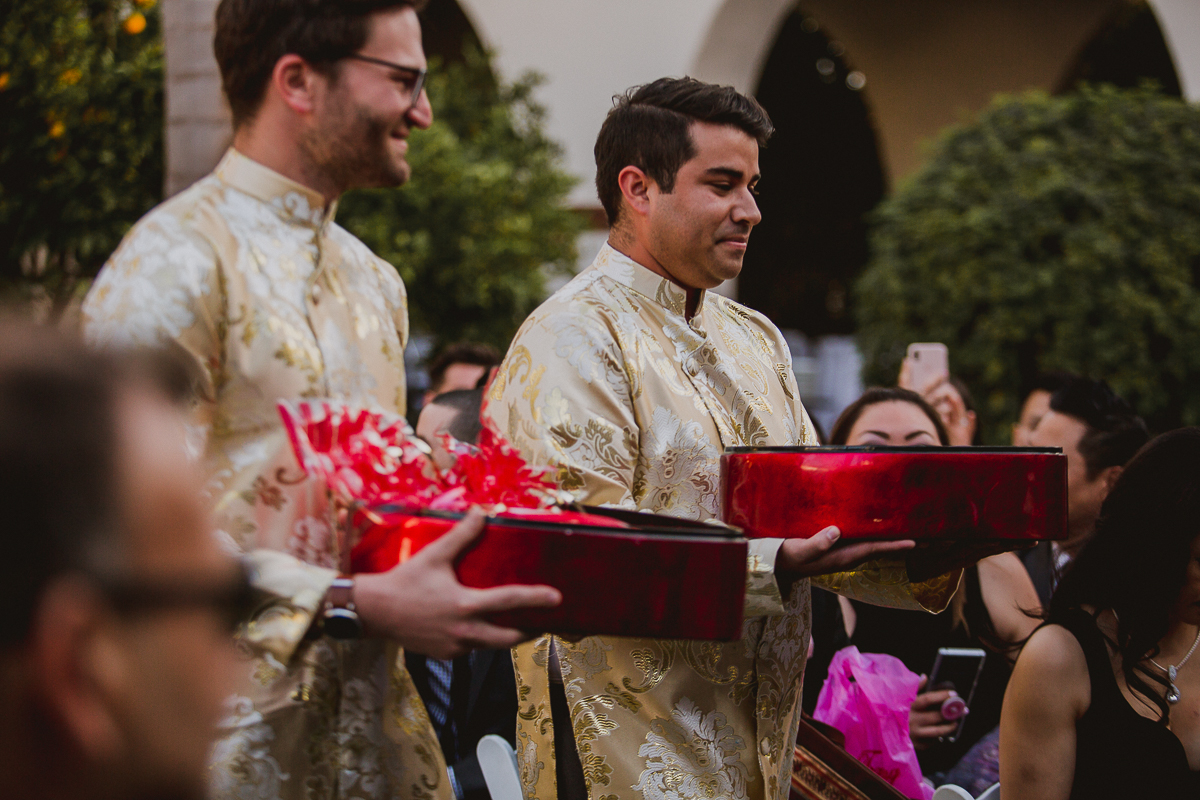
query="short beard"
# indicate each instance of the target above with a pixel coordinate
(351, 152)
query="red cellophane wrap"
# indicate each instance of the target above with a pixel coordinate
(658, 576)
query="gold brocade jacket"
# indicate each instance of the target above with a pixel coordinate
(633, 403)
(248, 274)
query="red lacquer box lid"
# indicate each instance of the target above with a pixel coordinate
(981, 500)
(621, 573)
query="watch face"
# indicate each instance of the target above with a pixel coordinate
(342, 623)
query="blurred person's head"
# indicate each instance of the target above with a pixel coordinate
(1099, 432)
(456, 413)
(889, 417)
(115, 649)
(1036, 404)
(324, 91)
(463, 365)
(1143, 563)
(676, 171)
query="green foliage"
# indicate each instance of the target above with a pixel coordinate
(81, 144)
(483, 214)
(1051, 233)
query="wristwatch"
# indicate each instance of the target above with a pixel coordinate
(339, 618)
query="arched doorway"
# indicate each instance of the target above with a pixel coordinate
(822, 174)
(1128, 48)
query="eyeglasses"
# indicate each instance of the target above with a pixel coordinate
(417, 74)
(233, 599)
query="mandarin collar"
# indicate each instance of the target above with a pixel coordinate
(624, 270)
(292, 201)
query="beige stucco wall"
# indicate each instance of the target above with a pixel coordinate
(198, 122)
(927, 61)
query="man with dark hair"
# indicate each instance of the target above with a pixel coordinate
(455, 413)
(1099, 432)
(115, 648)
(1036, 404)
(248, 274)
(629, 382)
(463, 365)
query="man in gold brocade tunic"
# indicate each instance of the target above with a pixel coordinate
(247, 275)
(630, 381)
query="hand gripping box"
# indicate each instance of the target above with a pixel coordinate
(621, 573)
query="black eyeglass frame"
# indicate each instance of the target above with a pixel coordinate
(419, 73)
(234, 600)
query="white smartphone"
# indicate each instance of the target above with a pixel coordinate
(928, 363)
(957, 668)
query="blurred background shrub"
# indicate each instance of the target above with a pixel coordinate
(81, 138)
(1050, 233)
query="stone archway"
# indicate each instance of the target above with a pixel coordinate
(738, 41)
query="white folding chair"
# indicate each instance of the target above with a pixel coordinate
(498, 763)
(951, 792)
(992, 793)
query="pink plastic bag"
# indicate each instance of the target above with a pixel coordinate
(867, 697)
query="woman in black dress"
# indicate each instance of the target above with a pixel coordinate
(1104, 700)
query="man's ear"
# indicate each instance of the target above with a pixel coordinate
(1109, 476)
(74, 661)
(635, 189)
(294, 80)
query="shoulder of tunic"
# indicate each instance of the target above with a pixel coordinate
(359, 255)
(168, 259)
(752, 321)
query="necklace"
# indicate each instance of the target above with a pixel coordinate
(1173, 672)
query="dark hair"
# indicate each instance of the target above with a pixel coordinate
(1050, 382)
(841, 429)
(474, 353)
(252, 35)
(466, 424)
(58, 464)
(1136, 563)
(648, 128)
(1114, 433)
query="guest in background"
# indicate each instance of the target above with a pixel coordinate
(1099, 432)
(473, 695)
(1037, 404)
(455, 413)
(1105, 697)
(952, 400)
(986, 611)
(462, 365)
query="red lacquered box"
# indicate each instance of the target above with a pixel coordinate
(621, 573)
(959, 503)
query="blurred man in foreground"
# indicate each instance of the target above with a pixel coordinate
(115, 648)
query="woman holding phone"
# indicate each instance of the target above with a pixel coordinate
(1104, 700)
(987, 611)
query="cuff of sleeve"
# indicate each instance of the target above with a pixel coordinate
(458, 792)
(294, 592)
(885, 582)
(763, 596)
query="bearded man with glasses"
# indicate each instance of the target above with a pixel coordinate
(247, 273)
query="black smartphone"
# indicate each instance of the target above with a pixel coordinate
(957, 668)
